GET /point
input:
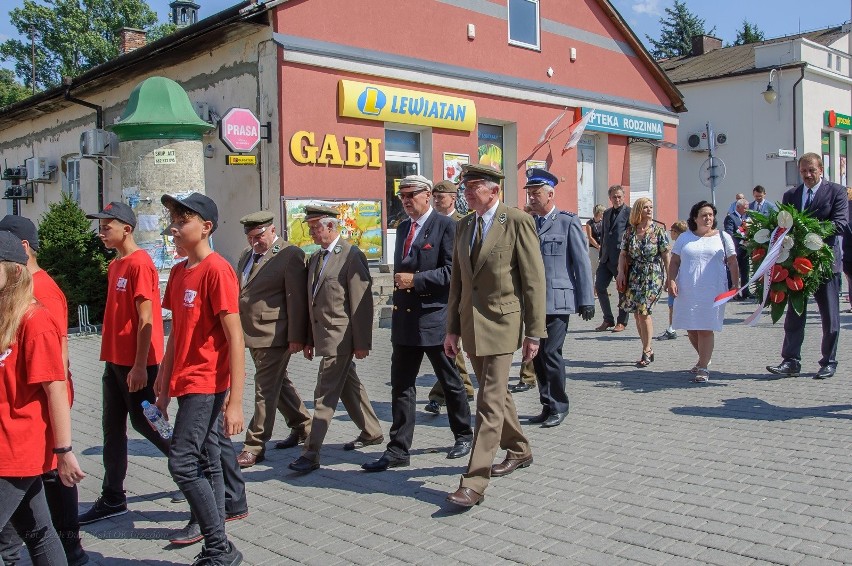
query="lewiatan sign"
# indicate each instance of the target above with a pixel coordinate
(404, 106)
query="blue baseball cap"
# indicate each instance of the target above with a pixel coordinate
(539, 177)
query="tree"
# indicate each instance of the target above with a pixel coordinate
(11, 91)
(71, 36)
(749, 33)
(679, 25)
(160, 31)
(75, 257)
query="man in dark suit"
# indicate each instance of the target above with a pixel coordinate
(615, 221)
(496, 305)
(422, 263)
(735, 226)
(568, 273)
(274, 317)
(825, 201)
(340, 328)
(444, 195)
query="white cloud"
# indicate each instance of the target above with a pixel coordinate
(651, 7)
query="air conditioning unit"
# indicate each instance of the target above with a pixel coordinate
(721, 138)
(98, 143)
(37, 169)
(697, 141)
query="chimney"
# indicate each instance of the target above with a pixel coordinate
(702, 44)
(130, 39)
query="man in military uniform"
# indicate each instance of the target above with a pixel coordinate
(495, 257)
(568, 273)
(421, 268)
(340, 328)
(444, 201)
(274, 316)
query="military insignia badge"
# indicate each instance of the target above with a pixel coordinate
(275, 249)
(502, 218)
(337, 249)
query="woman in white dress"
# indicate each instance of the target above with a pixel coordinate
(696, 276)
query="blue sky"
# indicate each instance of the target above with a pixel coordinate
(774, 17)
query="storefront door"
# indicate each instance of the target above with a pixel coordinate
(402, 158)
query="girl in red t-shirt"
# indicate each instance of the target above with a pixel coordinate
(34, 410)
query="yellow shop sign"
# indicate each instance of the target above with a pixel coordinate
(404, 106)
(356, 152)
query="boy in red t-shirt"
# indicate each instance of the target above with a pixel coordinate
(131, 347)
(204, 367)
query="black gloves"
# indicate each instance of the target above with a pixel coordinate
(587, 312)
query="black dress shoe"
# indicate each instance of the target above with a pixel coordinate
(459, 449)
(433, 407)
(787, 368)
(297, 436)
(361, 443)
(826, 371)
(520, 387)
(303, 465)
(540, 418)
(555, 419)
(384, 463)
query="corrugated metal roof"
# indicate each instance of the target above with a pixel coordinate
(734, 60)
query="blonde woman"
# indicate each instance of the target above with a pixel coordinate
(32, 387)
(642, 266)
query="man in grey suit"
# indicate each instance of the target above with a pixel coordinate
(615, 221)
(274, 317)
(568, 274)
(824, 200)
(340, 327)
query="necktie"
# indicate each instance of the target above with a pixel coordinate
(318, 269)
(810, 198)
(407, 247)
(477, 241)
(539, 222)
(255, 262)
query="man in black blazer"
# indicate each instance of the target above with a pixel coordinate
(423, 258)
(825, 201)
(615, 221)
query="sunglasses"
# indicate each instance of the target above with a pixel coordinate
(411, 195)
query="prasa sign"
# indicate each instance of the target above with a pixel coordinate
(239, 130)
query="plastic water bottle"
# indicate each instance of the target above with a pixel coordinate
(158, 422)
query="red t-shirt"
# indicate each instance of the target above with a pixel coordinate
(26, 444)
(130, 278)
(196, 297)
(48, 293)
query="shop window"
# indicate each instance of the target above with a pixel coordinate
(71, 179)
(844, 147)
(642, 156)
(586, 176)
(490, 142)
(826, 154)
(524, 28)
(402, 158)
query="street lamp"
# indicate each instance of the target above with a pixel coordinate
(769, 95)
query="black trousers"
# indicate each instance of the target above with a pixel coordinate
(742, 263)
(405, 365)
(827, 298)
(550, 365)
(118, 404)
(603, 278)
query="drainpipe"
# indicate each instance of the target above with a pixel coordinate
(804, 65)
(99, 124)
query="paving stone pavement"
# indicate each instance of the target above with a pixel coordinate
(648, 468)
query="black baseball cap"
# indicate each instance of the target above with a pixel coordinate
(197, 203)
(12, 248)
(21, 227)
(117, 211)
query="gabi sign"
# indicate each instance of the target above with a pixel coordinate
(404, 106)
(624, 124)
(305, 148)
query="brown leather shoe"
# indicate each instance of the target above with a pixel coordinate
(361, 443)
(619, 328)
(508, 466)
(247, 459)
(297, 436)
(465, 497)
(604, 326)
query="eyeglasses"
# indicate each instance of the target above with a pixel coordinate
(411, 195)
(472, 184)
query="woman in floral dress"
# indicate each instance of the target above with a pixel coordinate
(642, 266)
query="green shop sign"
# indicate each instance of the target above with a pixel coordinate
(839, 121)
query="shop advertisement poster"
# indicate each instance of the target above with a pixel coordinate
(453, 165)
(360, 224)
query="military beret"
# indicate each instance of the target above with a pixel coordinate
(445, 187)
(416, 181)
(538, 177)
(473, 171)
(256, 220)
(313, 212)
